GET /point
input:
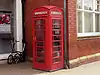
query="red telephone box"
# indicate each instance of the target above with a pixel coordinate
(48, 38)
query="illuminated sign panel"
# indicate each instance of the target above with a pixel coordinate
(39, 13)
(56, 13)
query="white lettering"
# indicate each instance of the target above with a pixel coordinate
(38, 13)
(54, 12)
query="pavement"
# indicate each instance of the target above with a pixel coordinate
(26, 69)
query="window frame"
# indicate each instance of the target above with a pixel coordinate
(82, 10)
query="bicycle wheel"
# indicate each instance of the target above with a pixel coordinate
(16, 58)
(10, 59)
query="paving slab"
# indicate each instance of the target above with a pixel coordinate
(26, 69)
(87, 69)
(18, 69)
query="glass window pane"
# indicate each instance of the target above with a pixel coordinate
(40, 35)
(56, 32)
(79, 22)
(39, 22)
(56, 21)
(97, 22)
(56, 26)
(56, 37)
(56, 48)
(39, 29)
(79, 4)
(88, 22)
(39, 43)
(88, 4)
(97, 7)
(56, 43)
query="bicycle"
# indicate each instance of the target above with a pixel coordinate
(15, 56)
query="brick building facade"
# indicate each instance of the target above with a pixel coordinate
(82, 49)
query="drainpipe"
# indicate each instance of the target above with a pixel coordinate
(23, 3)
(23, 22)
(66, 53)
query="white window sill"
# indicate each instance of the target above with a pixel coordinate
(88, 34)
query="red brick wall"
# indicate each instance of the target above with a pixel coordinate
(71, 16)
(77, 47)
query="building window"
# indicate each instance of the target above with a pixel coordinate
(88, 19)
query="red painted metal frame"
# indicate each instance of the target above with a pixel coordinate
(48, 64)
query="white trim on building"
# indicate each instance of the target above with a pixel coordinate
(90, 7)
